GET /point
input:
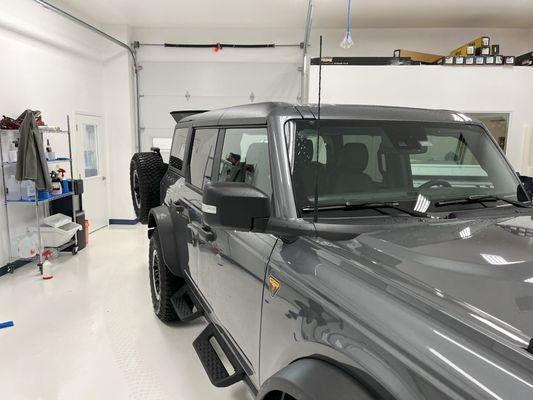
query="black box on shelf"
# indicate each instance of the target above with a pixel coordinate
(495, 49)
(480, 60)
(483, 51)
(77, 186)
(498, 60)
(509, 60)
(489, 60)
(524, 59)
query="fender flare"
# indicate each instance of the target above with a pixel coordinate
(173, 245)
(312, 379)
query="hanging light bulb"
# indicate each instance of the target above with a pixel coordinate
(347, 42)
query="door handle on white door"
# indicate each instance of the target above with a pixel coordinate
(104, 178)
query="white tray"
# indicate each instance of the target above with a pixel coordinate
(57, 220)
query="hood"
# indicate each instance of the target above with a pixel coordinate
(484, 265)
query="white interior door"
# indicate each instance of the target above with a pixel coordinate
(92, 168)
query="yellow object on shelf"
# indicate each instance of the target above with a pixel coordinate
(418, 56)
(469, 48)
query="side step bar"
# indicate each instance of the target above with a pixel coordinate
(215, 369)
(186, 305)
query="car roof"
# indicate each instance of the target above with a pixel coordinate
(259, 113)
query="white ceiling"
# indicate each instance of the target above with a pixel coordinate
(291, 13)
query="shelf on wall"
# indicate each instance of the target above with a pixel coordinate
(60, 160)
(41, 129)
(31, 200)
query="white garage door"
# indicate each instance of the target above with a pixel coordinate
(171, 86)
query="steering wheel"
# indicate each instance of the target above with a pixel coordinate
(435, 182)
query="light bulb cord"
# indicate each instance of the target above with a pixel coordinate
(348, 18)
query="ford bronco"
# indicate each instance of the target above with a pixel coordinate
(374, 253)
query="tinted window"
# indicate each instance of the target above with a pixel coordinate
(203, 150)
(449, 157)
(245, 158)
(177, 153)
(396, 162)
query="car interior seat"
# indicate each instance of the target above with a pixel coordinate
(352, 164)
(258, 167)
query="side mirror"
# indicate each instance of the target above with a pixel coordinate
(527, 184)
(235, 205)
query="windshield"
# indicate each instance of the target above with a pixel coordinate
(414, 163)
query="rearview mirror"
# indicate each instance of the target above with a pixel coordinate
(235, 205)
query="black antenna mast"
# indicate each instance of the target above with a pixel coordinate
(315, 214)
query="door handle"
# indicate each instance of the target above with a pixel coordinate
(204, 232)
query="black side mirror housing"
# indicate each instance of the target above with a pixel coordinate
(235, 205)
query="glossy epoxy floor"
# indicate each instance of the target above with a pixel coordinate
(90, 333)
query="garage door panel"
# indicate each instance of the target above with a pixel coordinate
(210, 79)
(171, 86)
(155, 110)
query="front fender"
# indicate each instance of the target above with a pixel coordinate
(172, 228)
(312, 379)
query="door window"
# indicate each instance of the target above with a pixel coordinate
(245, 158)
(203, 151)
(177, 153)
(90, 150)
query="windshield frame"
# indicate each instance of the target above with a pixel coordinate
(290, 131)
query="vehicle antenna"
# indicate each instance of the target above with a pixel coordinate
(315, 214)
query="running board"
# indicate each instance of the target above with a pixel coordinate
(186, 305)
(213, 365)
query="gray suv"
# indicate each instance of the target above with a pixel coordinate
(376, 253)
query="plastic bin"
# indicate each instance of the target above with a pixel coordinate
(57, 237)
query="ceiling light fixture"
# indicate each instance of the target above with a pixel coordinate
(347, 42)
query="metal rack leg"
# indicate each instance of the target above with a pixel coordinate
(8, 230)
(37, 214)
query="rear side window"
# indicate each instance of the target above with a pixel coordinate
(202, 154)
(177, 153)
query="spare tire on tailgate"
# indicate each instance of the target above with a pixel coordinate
(146, 172)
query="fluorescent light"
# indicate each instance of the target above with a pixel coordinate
(498, 260)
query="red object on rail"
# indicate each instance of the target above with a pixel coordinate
(86, 223)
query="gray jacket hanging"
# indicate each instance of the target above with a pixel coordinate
(31, 160)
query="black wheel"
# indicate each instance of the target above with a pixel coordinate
(146, 172)
(277, 395)
(162, 283)
(75, 250)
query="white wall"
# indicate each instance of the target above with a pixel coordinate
(368, 42)
(467, 89)
(382, 42)
(49, 64)
(119, 119)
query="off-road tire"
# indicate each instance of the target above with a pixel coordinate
(163, 284)
(146, 172)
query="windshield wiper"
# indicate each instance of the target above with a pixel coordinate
(367, 205)
(480, 199)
